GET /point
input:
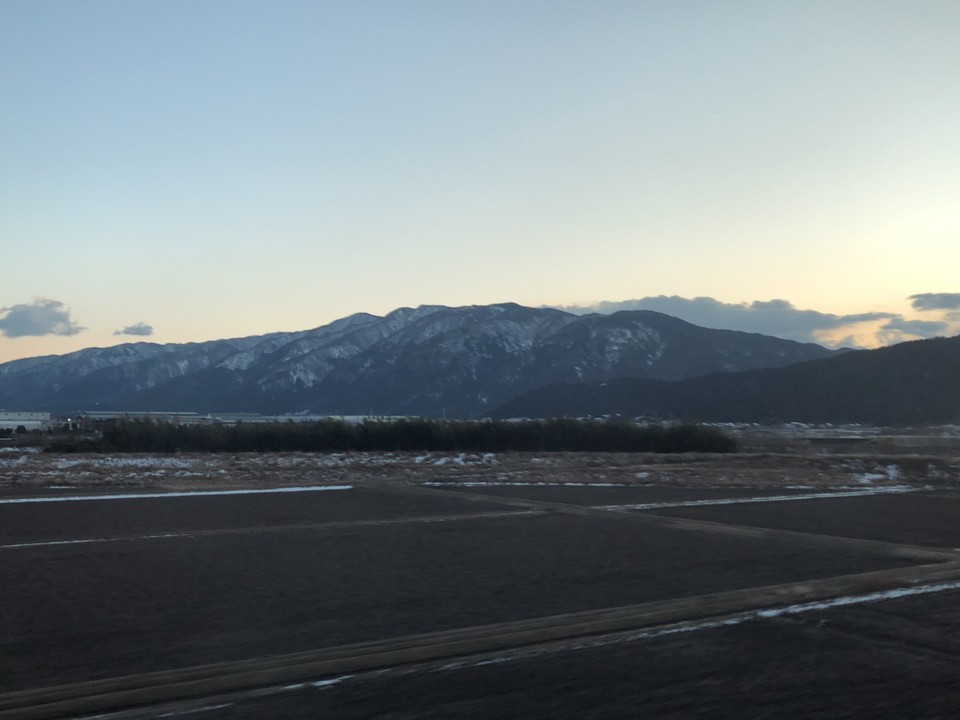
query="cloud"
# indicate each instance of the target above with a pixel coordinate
(41, 317)
(768, 317)
(935, 301)
(139, 328)
(900, 330)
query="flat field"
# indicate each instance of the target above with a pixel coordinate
(453, 585)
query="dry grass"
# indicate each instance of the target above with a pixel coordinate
(25, 470)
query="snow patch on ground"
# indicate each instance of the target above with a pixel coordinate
(319, 684)
(696, 625)
(330, 682)
(875, 474)
(112, 461)
(194, 711)
(461, 459)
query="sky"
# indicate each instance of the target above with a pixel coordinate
(179, 171)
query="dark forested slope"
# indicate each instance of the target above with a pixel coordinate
(910, 383)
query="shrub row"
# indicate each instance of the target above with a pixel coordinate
(414, 434)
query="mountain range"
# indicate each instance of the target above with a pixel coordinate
(912, 383)
(431, 361)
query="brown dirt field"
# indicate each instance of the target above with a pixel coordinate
(883, 662)
(84, 610)
(175, 582)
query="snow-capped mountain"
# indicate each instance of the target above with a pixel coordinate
(430, 361)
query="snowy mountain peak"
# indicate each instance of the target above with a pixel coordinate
(429, 360)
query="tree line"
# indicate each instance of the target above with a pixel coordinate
(401, 435)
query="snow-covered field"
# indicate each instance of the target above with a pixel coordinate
(24, 468)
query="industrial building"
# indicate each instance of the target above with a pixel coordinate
(175, 418)
(27, 420)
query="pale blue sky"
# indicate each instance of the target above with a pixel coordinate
(222, 168)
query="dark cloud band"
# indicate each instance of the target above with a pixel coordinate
(935, 301)
(139, 328)
(777, 317)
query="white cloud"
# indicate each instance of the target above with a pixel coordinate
(40, 317)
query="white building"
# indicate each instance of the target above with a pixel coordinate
(26, 420)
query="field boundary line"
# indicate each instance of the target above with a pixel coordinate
(268, 529)
(172, 494)
(759, 499)
(892, 549)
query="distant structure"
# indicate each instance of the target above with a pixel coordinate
(360, 419)
(94, 417)
(222, 418)
(26, 420)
